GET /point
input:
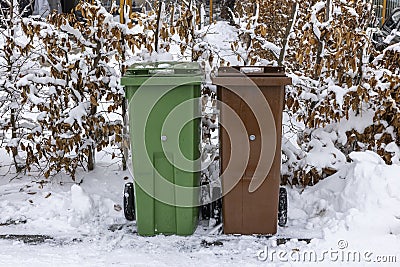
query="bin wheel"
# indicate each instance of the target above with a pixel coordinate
(205, 212)
(216, 205)
(282, 208)
(129, 202)
(205, 208)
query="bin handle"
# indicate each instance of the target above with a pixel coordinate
(163, 71)
(263, 69)
(163, 68)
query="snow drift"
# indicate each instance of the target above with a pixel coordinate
(364, 196)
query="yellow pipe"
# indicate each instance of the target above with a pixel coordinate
(211, 11)
(129, 3)
(384, 11)
(122, 5)
(121, 11)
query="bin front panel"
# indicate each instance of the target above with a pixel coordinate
(255, 212)
(154, 216)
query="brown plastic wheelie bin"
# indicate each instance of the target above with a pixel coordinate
(243, 91)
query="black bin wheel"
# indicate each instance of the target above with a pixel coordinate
(129, 202)
(205, 208)
(212, 210)
(217, 205)
(282, 208)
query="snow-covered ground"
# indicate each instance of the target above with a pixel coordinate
(355, 213)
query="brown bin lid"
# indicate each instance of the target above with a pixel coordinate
(260, 75)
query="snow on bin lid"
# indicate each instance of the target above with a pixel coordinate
(252, 71)
(164, 68)
(260, 75)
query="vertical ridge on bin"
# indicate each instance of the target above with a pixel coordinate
(163, 211)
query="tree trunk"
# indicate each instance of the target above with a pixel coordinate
(321, 43)
(227, 8)
(124, 107)
(157, 37)
(124, 135)
(14, 149)
(287, 33)
(13, 115)
(68, 5)
(92, 152)
(91, 158)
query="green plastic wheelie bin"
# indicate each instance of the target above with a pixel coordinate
(164, 129)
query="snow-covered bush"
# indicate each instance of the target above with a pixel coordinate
(331, 52)
(17, 61)
(328, 50)
(326, 47)
(83, 113)
(66, 72)
(71, 88)
(263, 27)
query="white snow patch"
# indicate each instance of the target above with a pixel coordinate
(76, 114)
(82, 205)
(339, 93)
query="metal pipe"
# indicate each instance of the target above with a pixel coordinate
(211, 11)
(384, 11)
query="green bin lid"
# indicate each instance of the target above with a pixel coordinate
(163, 73)
(164, 69)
